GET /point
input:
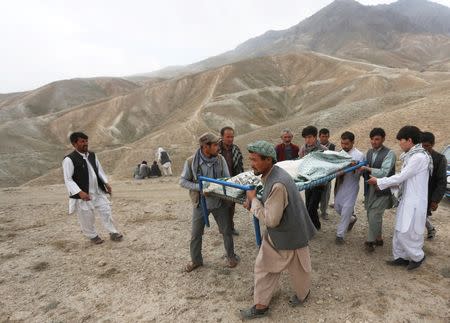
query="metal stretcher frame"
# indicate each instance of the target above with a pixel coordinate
(257, 228)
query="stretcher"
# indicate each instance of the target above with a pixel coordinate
(240, 200)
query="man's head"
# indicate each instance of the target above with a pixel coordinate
(427, 140)
(324, 136)
(227, 134)
(377, 136)
(286, 136)
(144, 162)
(79, 141)
(310, 135)
(209, 144)
(408, 137)
(262, 156)
(347, 141)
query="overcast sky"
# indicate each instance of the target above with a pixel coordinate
(44, 41)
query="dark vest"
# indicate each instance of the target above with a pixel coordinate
(295, 228)
(377, 164)
(81, 173)
(165, 158)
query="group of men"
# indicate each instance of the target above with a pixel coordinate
(289, 221)
(143, 171)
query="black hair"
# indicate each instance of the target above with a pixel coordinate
(222, 131)
(427, 137)
(348, 136)
(324, 131)
(410, 132)
(144, 162)
(309, 131)
(75, 135)
(377, 132)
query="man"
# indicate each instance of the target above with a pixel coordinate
(163, 158)
(324, 136)
(347, 188)
(87, 185)
(314, 194)
(286, 150)
(381, 163)
(289, 229)
(233, 156)
(143, 171)
(207, 162)
(412, 195)
(437, 182)
(154, 170)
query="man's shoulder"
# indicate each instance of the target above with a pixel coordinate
(358, 153)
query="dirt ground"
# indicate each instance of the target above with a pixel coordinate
(50, 273)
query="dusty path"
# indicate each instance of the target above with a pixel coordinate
(50, 273)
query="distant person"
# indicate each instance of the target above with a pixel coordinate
(312, 195)
(143, 171)
(233, 156)
(154, 170)
(438, 181)
(207, 161)
(136, 171)
(381, 163)
(324, 136)
(286, 150)
(87, 185)
(285, 245)
(164, 160)
(347, 188)
(412, 183)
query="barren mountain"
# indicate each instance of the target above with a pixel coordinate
(258, 97)
(402, 34)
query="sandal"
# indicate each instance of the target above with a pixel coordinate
(294, 301)
(191, 266)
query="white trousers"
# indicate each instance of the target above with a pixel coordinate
(346, 213)
(408, 245)
(86, 217)
(167, 169)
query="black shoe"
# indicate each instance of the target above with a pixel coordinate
(415, 264)
(431, 234)
(351, 224)
(116, 236)
(253, 313)
(398, 262)
(339, 241)
(370, 246)
(97, 240)
(379, 243)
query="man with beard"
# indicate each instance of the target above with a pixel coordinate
(381, 163)
(286, 150)
(412, 183)
(233, 156)
(87, 185)
(209, 163)
(289, 229)
(347, 188)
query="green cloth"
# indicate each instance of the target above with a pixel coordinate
(263, 148)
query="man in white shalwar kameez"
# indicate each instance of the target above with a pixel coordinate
(347, 188)
(412, 182)
(87, 185)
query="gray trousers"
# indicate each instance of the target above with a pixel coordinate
(221, 215)
(325, 199)
(375, 220)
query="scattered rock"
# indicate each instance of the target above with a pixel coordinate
(319, 301)
(40, 266)
(101, 263)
